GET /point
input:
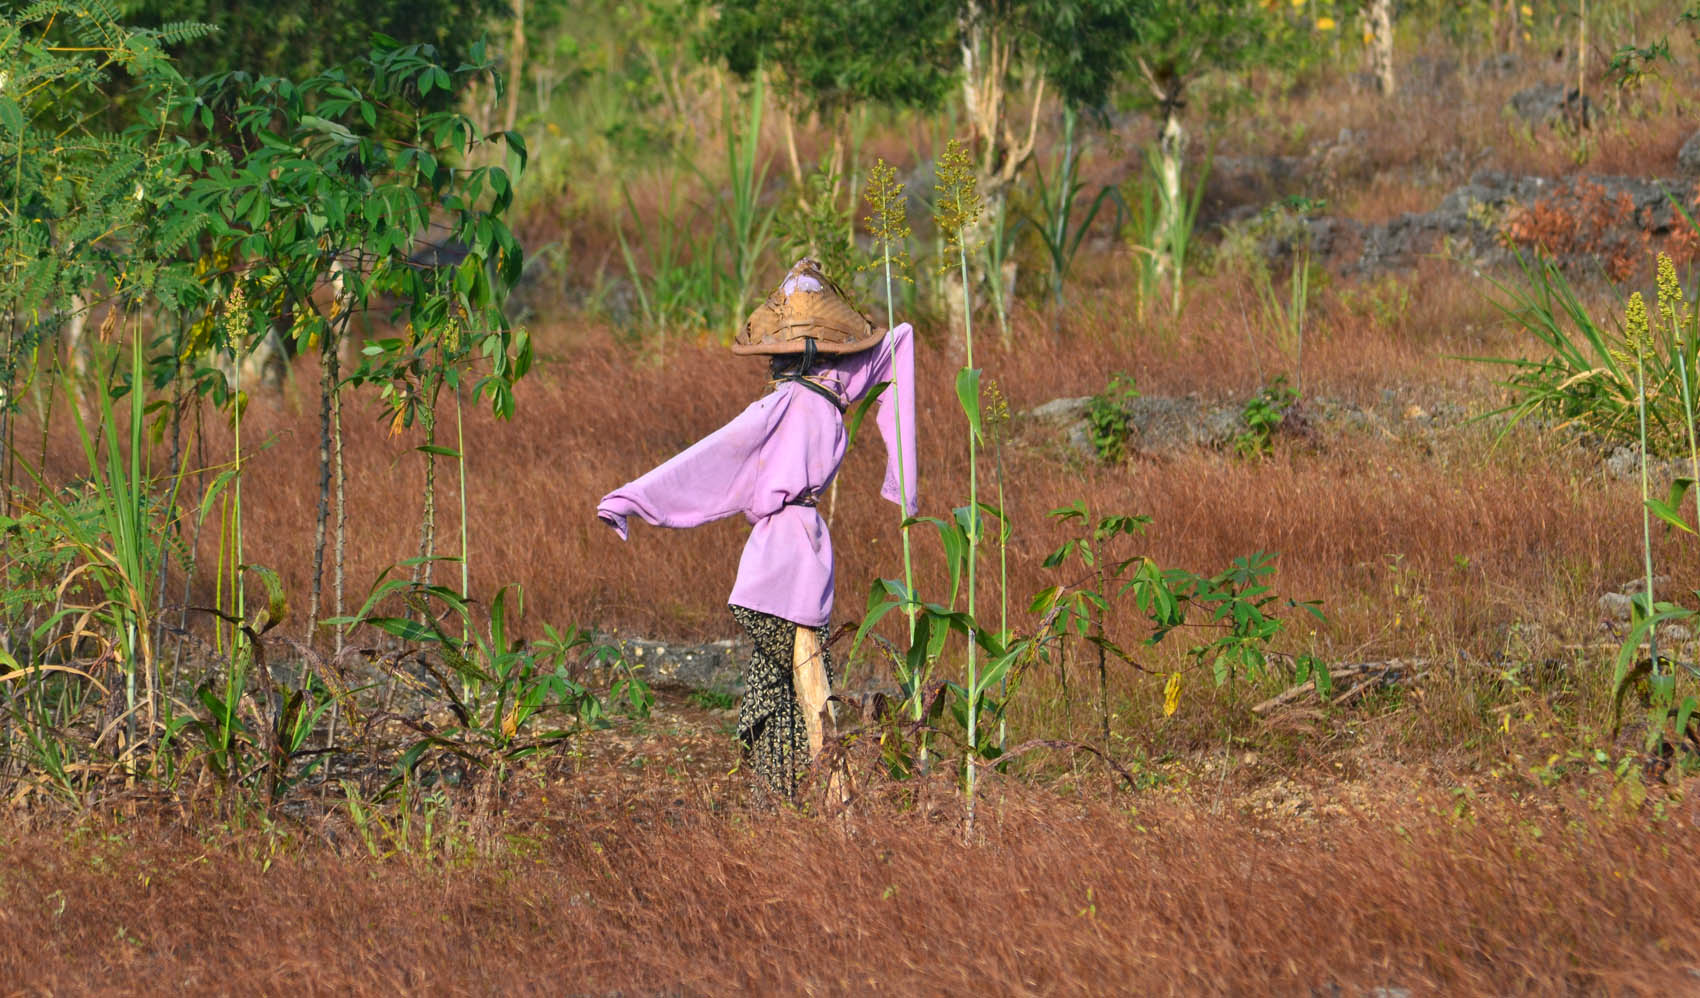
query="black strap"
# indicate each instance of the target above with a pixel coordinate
(817, 388)
(800, 376)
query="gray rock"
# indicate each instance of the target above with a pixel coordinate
(1168, 425)
(1624, 462)
(1546, 104)
(1498, 66)
(716, 666)
(1162, 425)
(1615, 606)
(1688, 157)
(1639, 584)
(1060, 412)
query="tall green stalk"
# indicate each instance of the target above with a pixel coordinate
(958, 206)
(888, 219)
(1639, 342)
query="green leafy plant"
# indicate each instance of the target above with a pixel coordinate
(1109, 419)
(1674, 324)
(1587, 377)
(1056, 202)
(1080, 608)
(498, 687)
(1262, 415)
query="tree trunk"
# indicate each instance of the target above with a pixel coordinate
(428, 522)
(1381, 45)
(1000, 150)
(1171, 151)
(516, 66)
(322, 515)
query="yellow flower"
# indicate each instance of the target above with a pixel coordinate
(1172, 694)
(1298, 3)
(1325, 24)
(1527, 10)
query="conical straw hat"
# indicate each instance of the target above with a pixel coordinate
(814, 309)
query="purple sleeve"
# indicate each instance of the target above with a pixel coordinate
(717, 476)
(894, 413)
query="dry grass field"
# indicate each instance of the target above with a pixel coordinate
(1475, 829)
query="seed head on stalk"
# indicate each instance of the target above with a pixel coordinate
(959, 202)
(1637, 336)
(1639, 341)
(1673, 308)
(888, 219)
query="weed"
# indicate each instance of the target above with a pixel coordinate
(712, 699)
(1262, 416)
(1109, 419)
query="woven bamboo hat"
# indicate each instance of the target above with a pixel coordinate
(807, 306)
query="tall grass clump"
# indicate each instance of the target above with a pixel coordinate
(1590, 376)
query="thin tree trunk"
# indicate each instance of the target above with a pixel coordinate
(1381, 45)
(1582, 63)
(428, 523)
(1171, 150)
(322, 515)
(516, 66)
(789, 119)
(340, 481)
(333, 359)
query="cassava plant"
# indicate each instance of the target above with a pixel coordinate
(315, 190)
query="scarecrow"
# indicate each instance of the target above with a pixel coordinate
(772, 463)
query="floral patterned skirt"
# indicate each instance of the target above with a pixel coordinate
(770, 720)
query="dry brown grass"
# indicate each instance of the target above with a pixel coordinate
(643, 895)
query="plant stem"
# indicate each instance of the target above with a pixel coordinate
(973, 537)
(460, 451)
(1682, 362)
(1003, 591)
(1646, 514)
(902, 472)
(322, 514)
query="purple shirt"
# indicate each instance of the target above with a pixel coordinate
(786, 445)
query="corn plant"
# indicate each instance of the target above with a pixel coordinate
(1160, 235)
(967, 703)
(1288, 315)
(117, 550)
(1056, 204)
